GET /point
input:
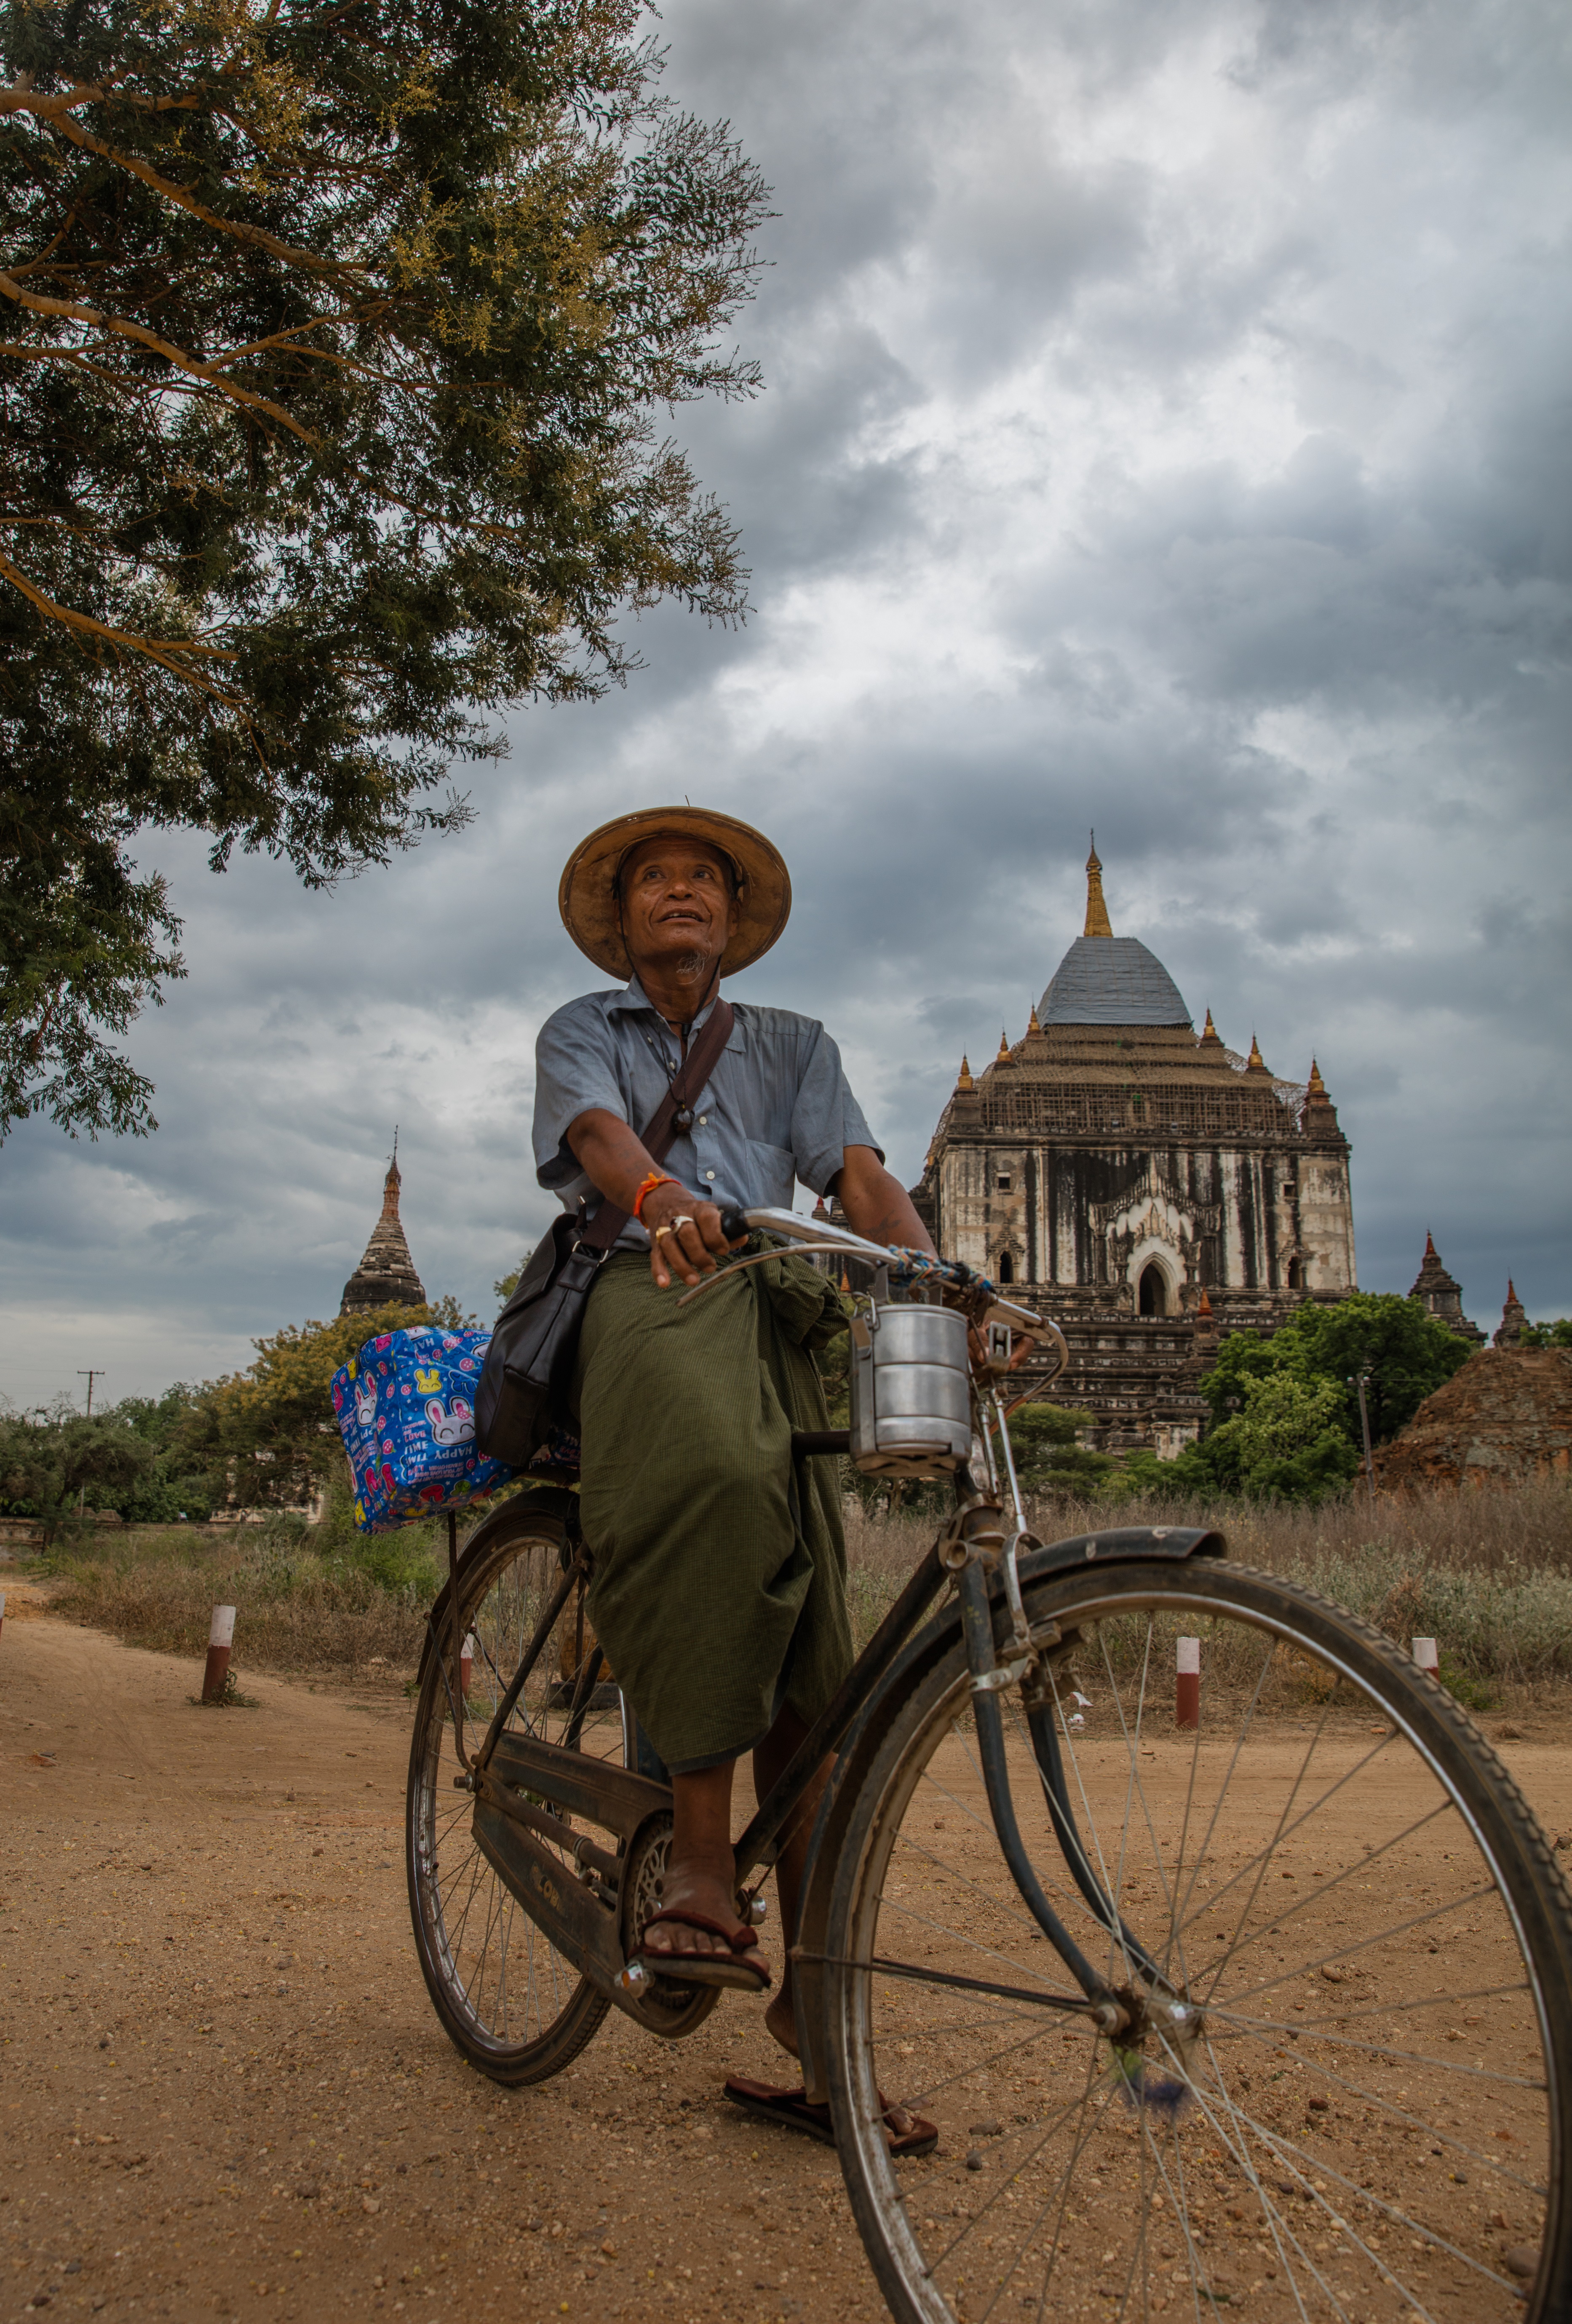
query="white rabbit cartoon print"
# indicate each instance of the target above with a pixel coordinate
(455, 1426)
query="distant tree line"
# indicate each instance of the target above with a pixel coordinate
(1283, 1421)
(264, 1438)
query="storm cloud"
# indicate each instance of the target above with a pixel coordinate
(1167, 427)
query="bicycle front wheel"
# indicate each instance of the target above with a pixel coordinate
(1344, 1948)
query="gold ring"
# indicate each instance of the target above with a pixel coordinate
(661, 1230)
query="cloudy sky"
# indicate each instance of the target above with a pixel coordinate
(1167, 427)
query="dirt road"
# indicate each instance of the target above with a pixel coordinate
(221, 2088)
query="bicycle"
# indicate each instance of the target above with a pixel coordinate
(1274, 2012)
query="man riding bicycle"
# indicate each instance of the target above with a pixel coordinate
(720, 1564)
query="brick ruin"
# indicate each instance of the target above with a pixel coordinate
(1504, 1418)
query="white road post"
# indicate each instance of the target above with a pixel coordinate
(220, 1639)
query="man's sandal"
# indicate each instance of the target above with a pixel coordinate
(905, 2133)
(745, 1976)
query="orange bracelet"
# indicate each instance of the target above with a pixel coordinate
(655, 1178)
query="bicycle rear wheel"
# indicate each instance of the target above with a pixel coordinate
(506, 1997)
(1363, 2114)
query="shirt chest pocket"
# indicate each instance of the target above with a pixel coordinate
(773, 1173)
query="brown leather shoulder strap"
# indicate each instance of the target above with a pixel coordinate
(659, 1131)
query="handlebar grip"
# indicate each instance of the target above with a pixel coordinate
(734, 1224)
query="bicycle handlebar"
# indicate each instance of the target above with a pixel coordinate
(909, 1266)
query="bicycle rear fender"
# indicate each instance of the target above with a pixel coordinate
(1112, 1545)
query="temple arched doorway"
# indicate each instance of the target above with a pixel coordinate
(1151, 1291)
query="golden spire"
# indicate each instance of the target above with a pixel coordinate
(1256, 1063)
(1316, 1089)
(1032, 1023)
(1209, 1031)
(1097, 911)
(1003, 1057)
(964, 1079)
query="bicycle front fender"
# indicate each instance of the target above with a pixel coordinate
(1116, 1545)
(1111, 1546)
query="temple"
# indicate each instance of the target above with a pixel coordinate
(1443, 1294)
(386, 1276)
(1508, 1332)
(1145, 1186)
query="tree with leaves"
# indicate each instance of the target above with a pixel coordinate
(1048, 1458)
(52, 1461)
(1285, 1410)
(269, 1437)
(1287, 1441)
(169, 1492)
(1405, 1354)
(334, 334)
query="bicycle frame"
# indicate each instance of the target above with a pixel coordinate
(525, 1789)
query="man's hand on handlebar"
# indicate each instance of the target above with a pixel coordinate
(689, 1249)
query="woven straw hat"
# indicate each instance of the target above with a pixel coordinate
(587, 897)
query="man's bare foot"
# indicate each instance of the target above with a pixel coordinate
(780, 2020)
(695, 1890)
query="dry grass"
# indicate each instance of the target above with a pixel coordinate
(1489, 1575)
(296, 1607)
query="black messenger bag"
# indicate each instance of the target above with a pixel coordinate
(529, 1361)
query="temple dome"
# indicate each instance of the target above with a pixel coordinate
(1112, 981)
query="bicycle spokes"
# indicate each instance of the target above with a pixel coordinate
(1330, 2096)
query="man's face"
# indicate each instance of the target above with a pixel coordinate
(676, 903)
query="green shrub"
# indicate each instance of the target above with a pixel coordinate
(404, 1568)
(1472, 1693)
(159, 1500)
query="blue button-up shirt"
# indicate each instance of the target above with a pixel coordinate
(776, 1109)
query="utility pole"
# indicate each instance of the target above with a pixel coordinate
(89, 1376)
(1361, 1381)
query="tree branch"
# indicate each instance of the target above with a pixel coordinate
(166, 651)
(71, 310)
(57, 110)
